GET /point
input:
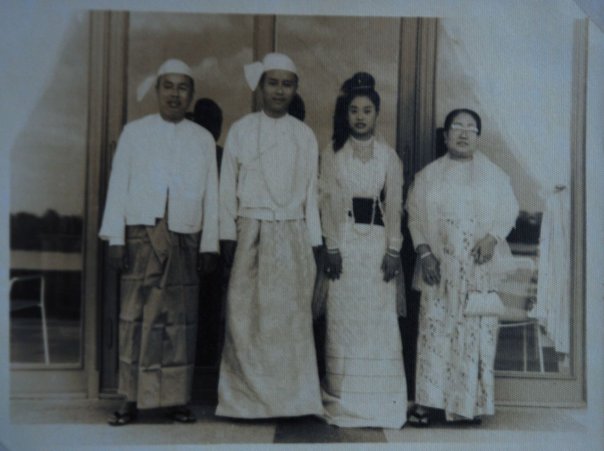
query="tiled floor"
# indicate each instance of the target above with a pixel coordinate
(67, 424)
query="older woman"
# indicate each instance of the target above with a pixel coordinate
(461, 208)
(365, 382)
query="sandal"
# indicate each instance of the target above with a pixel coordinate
(121, 418)
(419, 420)
(182, 415)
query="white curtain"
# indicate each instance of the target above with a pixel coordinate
(553, 308)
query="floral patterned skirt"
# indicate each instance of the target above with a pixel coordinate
(455, 357)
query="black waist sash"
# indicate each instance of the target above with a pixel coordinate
(363, 210)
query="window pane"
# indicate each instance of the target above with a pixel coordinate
(48, 181)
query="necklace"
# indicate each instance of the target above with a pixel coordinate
(362, 150)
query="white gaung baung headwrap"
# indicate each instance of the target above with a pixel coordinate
(170, 66)
(272, 61)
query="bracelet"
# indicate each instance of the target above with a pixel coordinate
(333, 251)
(425, 254)
(392, 253)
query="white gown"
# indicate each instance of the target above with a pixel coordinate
(365, 383)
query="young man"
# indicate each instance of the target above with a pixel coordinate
(269, 225)
(163, 191)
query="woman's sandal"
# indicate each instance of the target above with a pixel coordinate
(121, 418)
(419, 420)
(182, 415)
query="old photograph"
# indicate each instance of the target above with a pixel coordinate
(319, 224)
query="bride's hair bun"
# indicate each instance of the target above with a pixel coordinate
(361, 81)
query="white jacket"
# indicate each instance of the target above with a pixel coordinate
(269, 172)
(157, 162)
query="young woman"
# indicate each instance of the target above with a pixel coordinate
(361, 189)
(461, 208)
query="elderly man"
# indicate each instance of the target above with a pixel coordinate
(269, 224)
(163, 191)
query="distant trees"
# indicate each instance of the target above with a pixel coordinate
(49, 232)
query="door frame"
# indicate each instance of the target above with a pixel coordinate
(111, 108)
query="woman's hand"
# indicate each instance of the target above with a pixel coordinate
(391, 266)
(483, 250)
(118, 258)
(333, 264)
(430, 265)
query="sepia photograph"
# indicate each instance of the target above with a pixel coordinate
(302, 224)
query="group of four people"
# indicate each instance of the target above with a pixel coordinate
(275, 215)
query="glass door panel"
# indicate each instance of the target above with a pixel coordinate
(47, 208)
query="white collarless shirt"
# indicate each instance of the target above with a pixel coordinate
(269, 172)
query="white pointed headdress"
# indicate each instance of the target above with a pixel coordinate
(272, 61)
(170, 66)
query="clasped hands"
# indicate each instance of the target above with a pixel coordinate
(207, 262)
(391, 265)
(482, 252)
